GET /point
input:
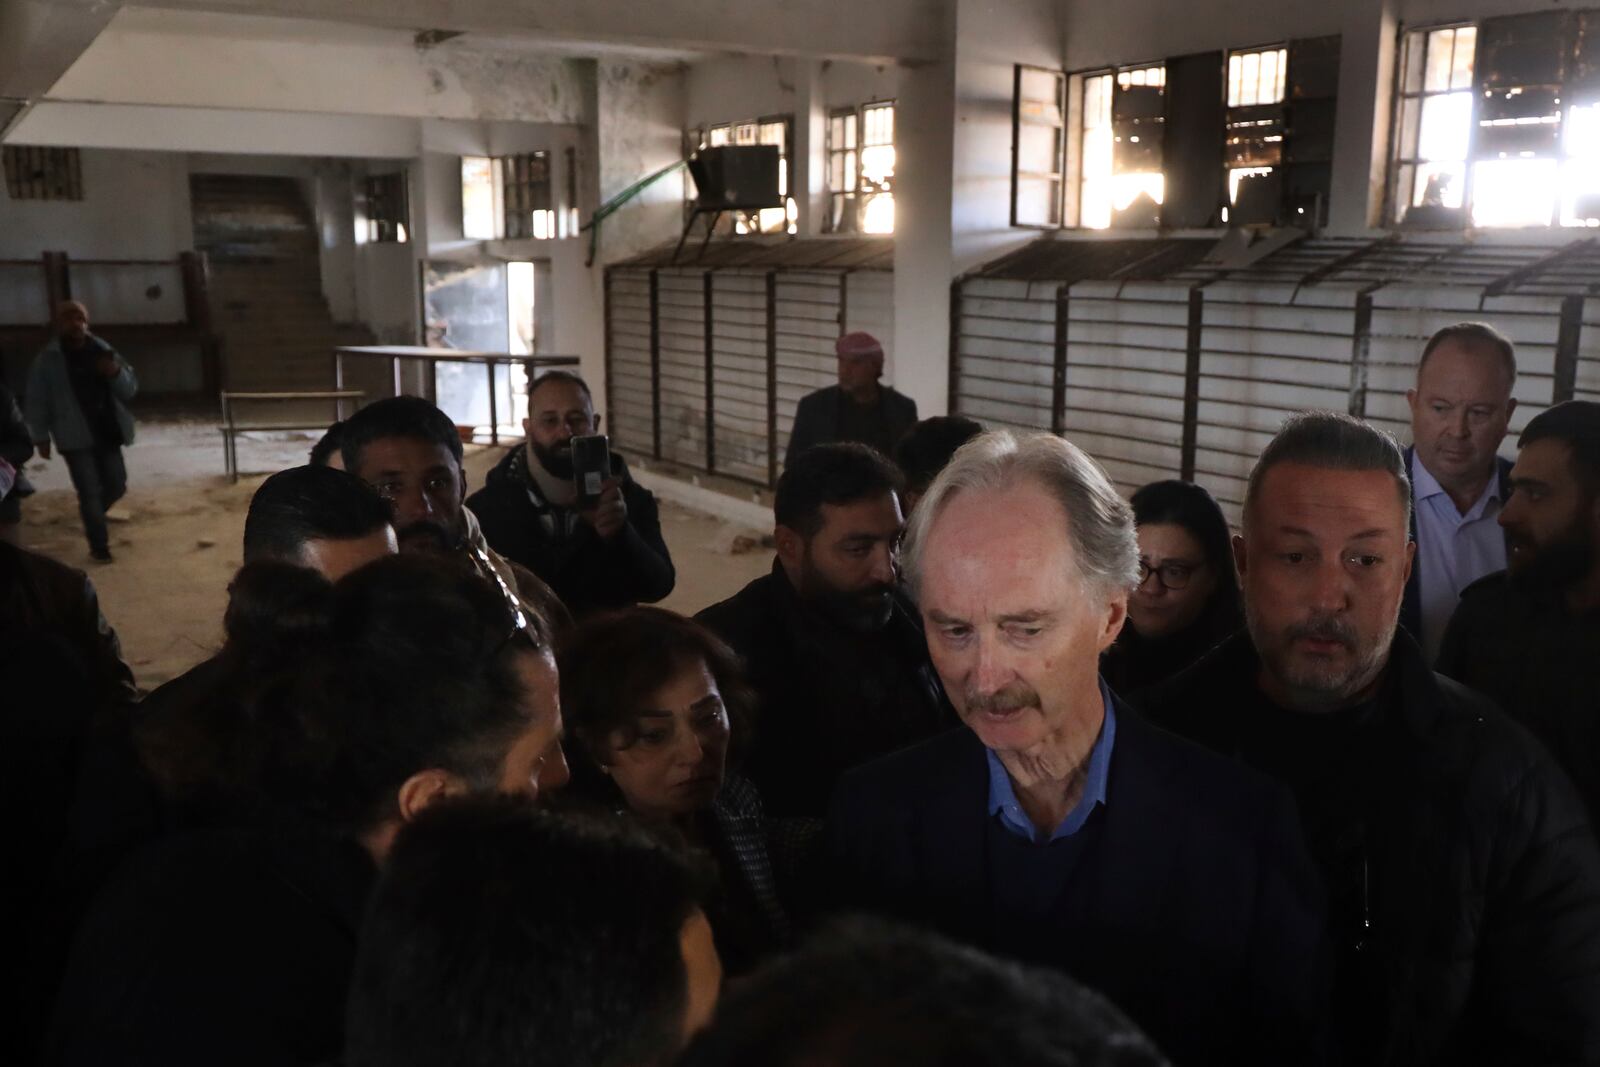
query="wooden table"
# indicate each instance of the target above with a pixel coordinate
(435, 356)
(232, 428)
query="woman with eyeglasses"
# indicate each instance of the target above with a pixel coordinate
(657, 712)
(1187, 599)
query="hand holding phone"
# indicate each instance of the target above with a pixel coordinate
(591, 467)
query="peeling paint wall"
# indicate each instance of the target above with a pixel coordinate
(135, 206)
(174, 59)
(641, 110)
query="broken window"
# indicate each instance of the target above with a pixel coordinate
(1499, 123)
(1433, 121)
(507, 197)
(384, 208)
(861, 159)
(42, 173)
(1253, 128)
(769, 131)
(1120, 180)
(529, 206)
(1038, 144)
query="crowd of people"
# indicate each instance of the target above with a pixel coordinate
(994, 767)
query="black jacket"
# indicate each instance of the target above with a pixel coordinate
(225, 947)
(1194, 908)
(1463, 849)
(818, 416)
(588, 574)
(830, 698)
(1411, 603)
(1527, 652)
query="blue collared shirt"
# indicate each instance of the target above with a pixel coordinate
(1003, 796)
(1453, 550)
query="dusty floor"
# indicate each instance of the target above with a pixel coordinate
(166, 591)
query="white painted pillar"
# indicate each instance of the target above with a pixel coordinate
(1361, 127)
(923, 260)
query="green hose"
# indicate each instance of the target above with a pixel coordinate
(610, 206)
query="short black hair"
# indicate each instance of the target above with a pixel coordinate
(341, 692)
(331, 441)
(1577, 423)
(833, 474)
(925, 451)
(398, 416)
(310, 504)
(866, 993)
(1475, 335)
(1334, 441)
(558, 376)
(502, 934)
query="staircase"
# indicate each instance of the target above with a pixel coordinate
(266, 285)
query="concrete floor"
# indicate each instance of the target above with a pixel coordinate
(166, 591)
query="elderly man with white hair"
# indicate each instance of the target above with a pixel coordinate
(1059, 828)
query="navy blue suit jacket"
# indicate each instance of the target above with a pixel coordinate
(1411, 603)
(1197, 909)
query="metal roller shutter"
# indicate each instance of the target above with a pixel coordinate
(1005, 352)
(630, 410)
(739, 388)
(681, 328)
(1125, 358)
(807, 324)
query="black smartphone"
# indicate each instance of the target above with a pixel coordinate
(591, 466)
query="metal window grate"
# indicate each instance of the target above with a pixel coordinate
(42, 173)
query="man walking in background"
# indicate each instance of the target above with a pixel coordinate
(77, 394)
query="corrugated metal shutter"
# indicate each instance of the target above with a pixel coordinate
(1266, 352)
(1125, 353)
(739, 354)
(681, 315)
(1005, 351)
(1586, 383)
(807, 325)
(630, 417)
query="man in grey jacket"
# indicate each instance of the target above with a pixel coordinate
(77, 394)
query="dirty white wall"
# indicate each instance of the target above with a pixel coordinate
(176, 58)
(135, 206)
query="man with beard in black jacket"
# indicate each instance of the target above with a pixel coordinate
(831, 644)
(1463, 880)
(1529, 636)
(607, 556)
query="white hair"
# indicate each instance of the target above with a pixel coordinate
(1097, 519)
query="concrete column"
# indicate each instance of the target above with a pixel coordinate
(923, 262)
(1361, 127)
(809, 154)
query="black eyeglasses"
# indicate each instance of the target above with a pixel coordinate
(1173, 576)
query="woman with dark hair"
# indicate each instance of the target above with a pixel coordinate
(1187, 599)
(360, 705)
(658, 711)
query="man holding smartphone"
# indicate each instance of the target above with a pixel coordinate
(565, 507)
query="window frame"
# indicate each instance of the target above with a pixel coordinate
(1390, 216)
(1077, 130)
(1063, 154)
(61, 180)
(1233, 113)
(856, 194)
(392, 226)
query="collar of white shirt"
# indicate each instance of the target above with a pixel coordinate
(1425, 486)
